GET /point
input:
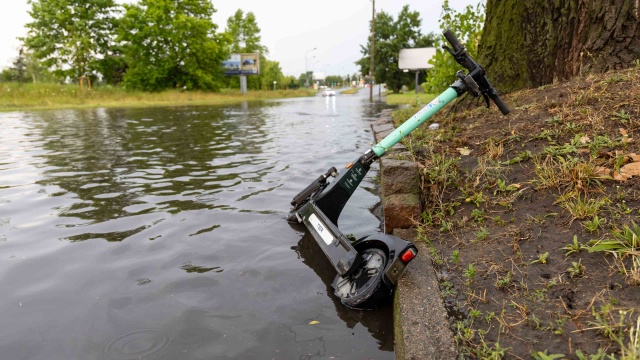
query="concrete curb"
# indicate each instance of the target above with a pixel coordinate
(421, 324)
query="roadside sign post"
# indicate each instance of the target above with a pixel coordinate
(242, 65)
(415, 59)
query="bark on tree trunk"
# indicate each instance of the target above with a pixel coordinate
(533, 43)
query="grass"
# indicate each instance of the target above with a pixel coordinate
(349, 91)
(409, 98)
(14, 96)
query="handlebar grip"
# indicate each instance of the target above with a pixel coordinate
(499, 103)
(453, 40)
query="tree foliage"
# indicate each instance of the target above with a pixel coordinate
(391, 35)
(467, 27)
(70, 36)
(168, 44)
(245, 33)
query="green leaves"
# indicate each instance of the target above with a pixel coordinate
(70, 36)
(169, 44)
(391, 35)
(467, 27)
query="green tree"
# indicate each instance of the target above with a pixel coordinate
(271, 72)
(467, 27)
(70, 36)
(391, 36)
(245, 33)
(169, 44)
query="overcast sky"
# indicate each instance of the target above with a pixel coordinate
(289, 28)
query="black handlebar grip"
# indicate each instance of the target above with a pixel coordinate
(304, 194)
(453, 40)
(499, 103)
(313, 187)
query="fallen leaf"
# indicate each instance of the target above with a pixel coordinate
(631, 169)
(619, 177)
(623, 132)
(464, 151)
(585, 139)
(314, 322)
(634, 157)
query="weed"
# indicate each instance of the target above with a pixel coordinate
(580, 208)
(542, 355)
(554, 120)
(470, 273)
(503, 187)
(574, 247)
(558, 171)
(505, 281)
(523, 156)
(498, 220)
(477, 215)
(476, 198)
(494, 151)
(542, 258)
(482, 234)
(455, 256)
(623, 242)
(489, 316)
(576, 269)
(622, 116)
(600, 355)
(594, 225)
(491, 353)
(474, 313)
(446, 226)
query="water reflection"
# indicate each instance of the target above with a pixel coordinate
(374, 321)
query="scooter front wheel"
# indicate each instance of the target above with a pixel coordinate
(364, 288)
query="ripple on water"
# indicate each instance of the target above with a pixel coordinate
(139, 344)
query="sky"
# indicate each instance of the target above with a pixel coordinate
(290, 29)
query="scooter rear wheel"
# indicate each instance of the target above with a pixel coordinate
(364, 289)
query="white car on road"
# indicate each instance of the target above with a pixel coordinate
(328, 92)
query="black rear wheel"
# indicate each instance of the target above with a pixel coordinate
(364, 289)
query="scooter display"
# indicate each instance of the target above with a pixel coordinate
(368, 269)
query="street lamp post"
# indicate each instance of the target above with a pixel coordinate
(274, 85)
(371, 53)
(306, 69)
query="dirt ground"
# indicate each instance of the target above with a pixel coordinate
(531, 219)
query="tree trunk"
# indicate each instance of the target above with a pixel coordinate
(533, 43)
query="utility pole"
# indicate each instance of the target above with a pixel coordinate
(371, 53)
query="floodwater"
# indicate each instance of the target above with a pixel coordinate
(161, 233)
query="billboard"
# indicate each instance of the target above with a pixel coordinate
(416, 58)
(242, 64)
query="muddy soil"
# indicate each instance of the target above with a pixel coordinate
(531, 219)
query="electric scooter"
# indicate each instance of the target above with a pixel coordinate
(369, 268)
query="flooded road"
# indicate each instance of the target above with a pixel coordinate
(160, 233)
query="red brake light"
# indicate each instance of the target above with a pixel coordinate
(408, 255)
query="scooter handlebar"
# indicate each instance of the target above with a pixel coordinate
(453, 41)
(462, 58)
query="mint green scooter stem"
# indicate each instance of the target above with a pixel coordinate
(416, 120)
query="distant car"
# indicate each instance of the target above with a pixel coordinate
(328, 92)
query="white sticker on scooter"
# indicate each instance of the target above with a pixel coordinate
(321, 229)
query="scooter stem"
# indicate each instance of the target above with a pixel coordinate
(416, 120)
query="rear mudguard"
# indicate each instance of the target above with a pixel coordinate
(394, 247)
